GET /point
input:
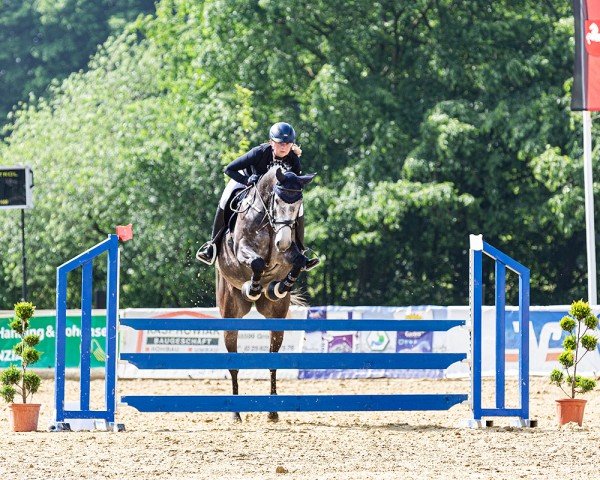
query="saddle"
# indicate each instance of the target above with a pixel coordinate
(231, 209)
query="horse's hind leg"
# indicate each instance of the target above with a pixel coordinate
(271, 309)
(231, 337)
(276, 341)
(231, 305)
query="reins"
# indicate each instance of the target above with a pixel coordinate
(238, 210)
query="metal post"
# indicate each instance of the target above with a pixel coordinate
(589, 207)
(23, 255)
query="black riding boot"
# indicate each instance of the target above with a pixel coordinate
(208, 252)
(310, 263)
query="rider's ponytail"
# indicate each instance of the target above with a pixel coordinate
(297, 150)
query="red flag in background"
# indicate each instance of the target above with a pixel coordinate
(586, 81)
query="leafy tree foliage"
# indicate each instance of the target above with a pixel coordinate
(426, 121)
(44, 40)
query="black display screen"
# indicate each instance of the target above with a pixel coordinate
(13, 187)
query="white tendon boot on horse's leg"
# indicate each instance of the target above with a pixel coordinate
(252, 290)
(273, 291)
(278, 290)
(249, 293)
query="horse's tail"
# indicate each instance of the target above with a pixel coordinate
(297, 298)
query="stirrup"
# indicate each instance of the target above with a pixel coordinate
(203, 256)
(312, 262)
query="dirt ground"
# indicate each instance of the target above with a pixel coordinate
(379, 445)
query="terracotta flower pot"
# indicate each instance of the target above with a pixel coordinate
(24, 416)
(570, 410)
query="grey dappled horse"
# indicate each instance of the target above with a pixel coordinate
(258, 261)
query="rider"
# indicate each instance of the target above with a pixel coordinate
(246, 170)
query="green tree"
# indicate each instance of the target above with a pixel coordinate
(44, 40)
(426, 121)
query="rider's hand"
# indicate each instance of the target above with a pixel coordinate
(252, 179)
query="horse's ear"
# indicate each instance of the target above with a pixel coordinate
(279, 174)
(304, 179)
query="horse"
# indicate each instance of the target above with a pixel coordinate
(258, 261)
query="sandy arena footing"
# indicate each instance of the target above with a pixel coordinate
(347, 445)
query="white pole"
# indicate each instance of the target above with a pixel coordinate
(589, 207)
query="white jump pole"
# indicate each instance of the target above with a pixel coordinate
(589, 207)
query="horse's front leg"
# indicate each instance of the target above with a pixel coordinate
(278, 290)
(276, 341)
(252, 289)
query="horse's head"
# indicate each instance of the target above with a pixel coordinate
(285, 204)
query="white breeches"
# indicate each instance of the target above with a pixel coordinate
(231, 186)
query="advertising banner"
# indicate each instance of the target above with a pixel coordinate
(43, 324)
(545, 343)
(188, 341)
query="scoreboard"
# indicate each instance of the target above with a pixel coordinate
(15, 187)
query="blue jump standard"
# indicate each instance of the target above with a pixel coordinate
(292, 403)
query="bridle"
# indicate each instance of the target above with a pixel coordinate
(277, 225)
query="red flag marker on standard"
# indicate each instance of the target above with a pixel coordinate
(125, 232)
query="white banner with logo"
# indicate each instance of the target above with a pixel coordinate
(545, 342)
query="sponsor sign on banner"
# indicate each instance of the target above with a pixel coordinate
(546, 339)
(200, 341)
(372, 342)
(592, 37)
(43, 324)
(415, 342)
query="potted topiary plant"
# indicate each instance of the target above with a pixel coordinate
(18, 382)
(577, 344)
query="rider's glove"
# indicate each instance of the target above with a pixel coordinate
(252, 179)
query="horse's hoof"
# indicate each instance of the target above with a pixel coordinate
(248, 294)
(236, 417)
(272, 292)
(273, 417)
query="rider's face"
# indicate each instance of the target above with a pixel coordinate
(281, 149)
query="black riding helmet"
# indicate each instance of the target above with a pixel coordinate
(282, 132)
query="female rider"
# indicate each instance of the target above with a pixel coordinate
(253, 164)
